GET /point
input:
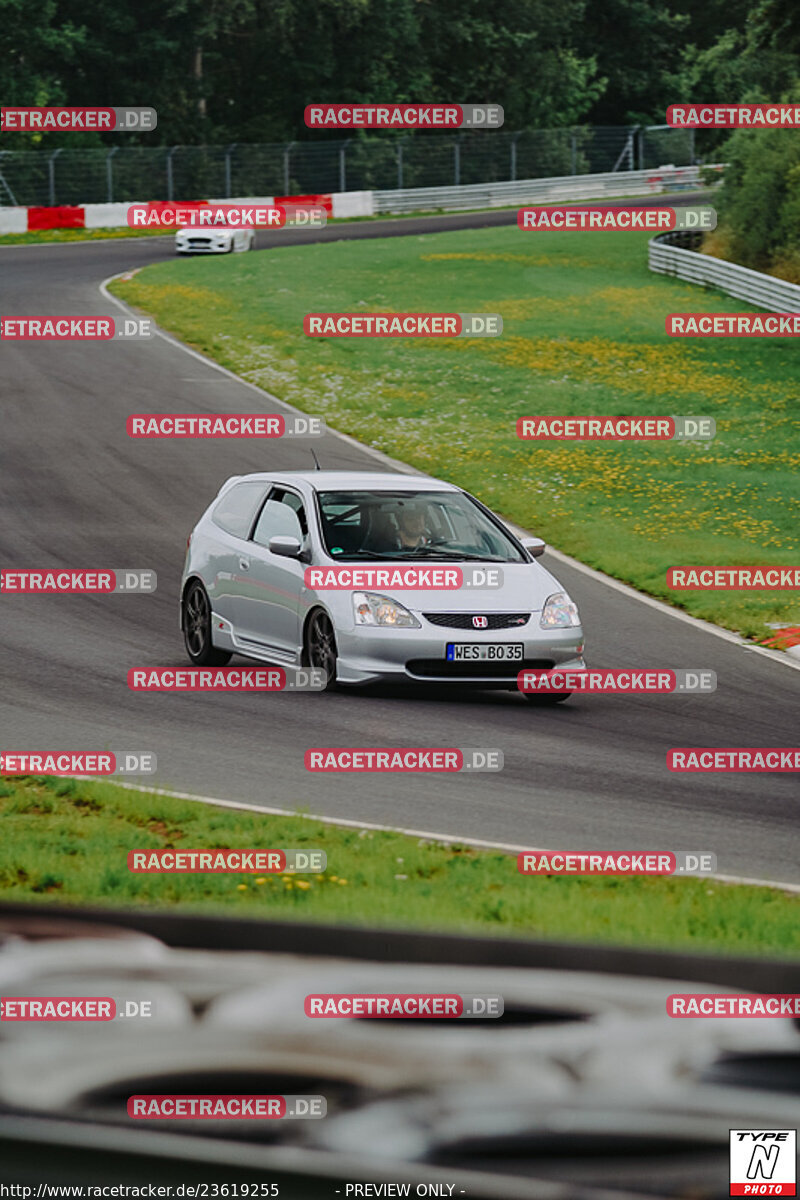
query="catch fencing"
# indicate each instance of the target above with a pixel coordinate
(109, 174)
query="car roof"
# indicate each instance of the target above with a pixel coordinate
(323, 481)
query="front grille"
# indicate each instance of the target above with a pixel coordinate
(464, 620)
(198, 243)
(440, 668)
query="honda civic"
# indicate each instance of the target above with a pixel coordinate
(265, 564)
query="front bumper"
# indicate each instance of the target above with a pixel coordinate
(201, 245)
(374, 655)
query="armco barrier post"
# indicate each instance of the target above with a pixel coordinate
(3, 181)
(287, 151)
(170, 188)
(400, 142)
(342, 172)
(51, 172)
(513, 166)
(109, 174)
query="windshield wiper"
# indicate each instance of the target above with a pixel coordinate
(360, 554)
(443, 552)
(417, 552)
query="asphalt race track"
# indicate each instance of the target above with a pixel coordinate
(77, 492)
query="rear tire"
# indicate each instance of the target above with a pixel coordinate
(196, 622)
(320, 647)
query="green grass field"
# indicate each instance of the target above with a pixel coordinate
(66, 841)
(584, 334)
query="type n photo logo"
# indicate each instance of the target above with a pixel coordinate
(763, 1162)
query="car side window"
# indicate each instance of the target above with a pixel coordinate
(283, 515)
(237, 508)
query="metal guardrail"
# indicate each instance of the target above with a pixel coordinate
(529, 191)
(667, 255)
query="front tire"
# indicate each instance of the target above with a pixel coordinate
(196, 622)
(320, 647)
(546, 699)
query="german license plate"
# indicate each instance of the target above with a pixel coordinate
(484, 651)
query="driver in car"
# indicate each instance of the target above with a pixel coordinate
(412, 528)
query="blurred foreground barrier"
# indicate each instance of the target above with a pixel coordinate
(584, 1089)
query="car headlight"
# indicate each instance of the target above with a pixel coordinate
(369, 608)
(559, 612)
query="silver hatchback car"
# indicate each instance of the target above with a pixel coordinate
(246, 588)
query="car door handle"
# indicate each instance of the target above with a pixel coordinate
(244, 564)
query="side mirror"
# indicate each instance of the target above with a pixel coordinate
(534, 546)
(286, 547)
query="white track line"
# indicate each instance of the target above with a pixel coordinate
(446, 838)
(705, 626)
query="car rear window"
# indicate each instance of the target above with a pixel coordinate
(236, 510)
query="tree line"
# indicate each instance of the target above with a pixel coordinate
(220, 71)
(223, 71)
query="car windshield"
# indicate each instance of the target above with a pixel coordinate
(409, 525)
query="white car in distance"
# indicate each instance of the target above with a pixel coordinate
(224, 240)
